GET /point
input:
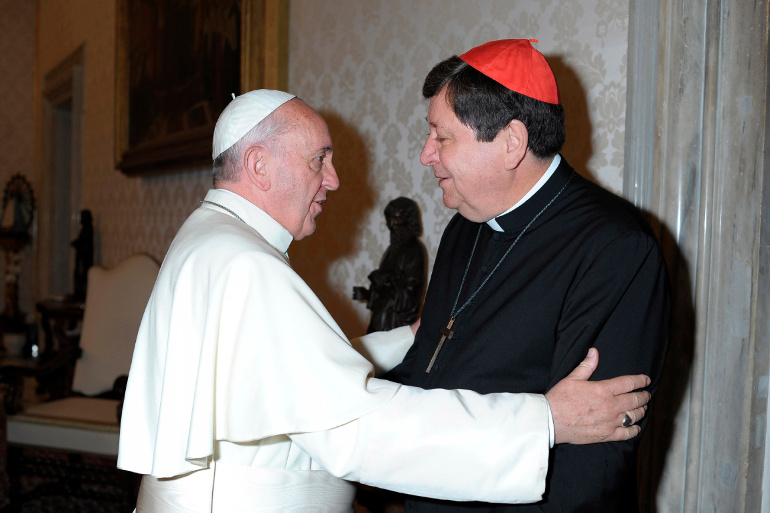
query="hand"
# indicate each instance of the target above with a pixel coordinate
(360, 293)
(586, 412)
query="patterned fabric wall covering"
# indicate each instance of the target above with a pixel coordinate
(17, 115)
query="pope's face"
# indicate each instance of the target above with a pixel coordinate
(305, 171)
(470, 172)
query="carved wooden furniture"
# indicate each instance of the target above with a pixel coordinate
(88, 420)
(18, 206)
(61, 319)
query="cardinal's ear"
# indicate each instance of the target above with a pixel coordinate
(516, 141)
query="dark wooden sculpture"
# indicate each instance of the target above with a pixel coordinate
(84, 254)
(396, 289)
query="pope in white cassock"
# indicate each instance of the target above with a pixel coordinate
(245, 396)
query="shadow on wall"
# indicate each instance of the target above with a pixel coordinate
(339, 226)
(672, 387)
(578, 147)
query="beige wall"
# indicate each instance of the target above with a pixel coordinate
(361, 64)
(17, 63)
(17, 121)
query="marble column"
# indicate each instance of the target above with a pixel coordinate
(695, 141)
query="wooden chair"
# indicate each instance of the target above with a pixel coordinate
(87, 422)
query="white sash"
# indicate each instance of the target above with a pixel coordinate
(225, 488)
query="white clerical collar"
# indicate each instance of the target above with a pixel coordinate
(492, 223)
(267, 227)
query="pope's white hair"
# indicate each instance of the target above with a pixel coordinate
(228, 164)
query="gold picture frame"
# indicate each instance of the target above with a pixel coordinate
(173, 124)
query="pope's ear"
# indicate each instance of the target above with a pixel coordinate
(517, 140)
(257, 162)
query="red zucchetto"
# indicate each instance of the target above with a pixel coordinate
(515, 64)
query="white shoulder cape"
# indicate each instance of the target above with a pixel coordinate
(234, 346)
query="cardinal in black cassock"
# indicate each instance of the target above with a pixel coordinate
(516, 300)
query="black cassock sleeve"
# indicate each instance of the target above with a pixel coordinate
(620, 305)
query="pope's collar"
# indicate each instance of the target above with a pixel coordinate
(270, 229)
(492, 223)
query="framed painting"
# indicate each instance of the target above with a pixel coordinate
(177, 65)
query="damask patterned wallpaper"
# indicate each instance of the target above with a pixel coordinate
(17, 56)
(17, 120)
(361, 64)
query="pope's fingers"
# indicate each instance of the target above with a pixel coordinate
(636, 415)
(625, 433)
(625, 384)
(631, 401)
(628, 432)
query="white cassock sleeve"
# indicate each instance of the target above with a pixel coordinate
(446, 444)
(384, 349)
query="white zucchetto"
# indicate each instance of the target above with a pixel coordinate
(242, 114)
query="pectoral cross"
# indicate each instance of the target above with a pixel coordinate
(446, 332)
